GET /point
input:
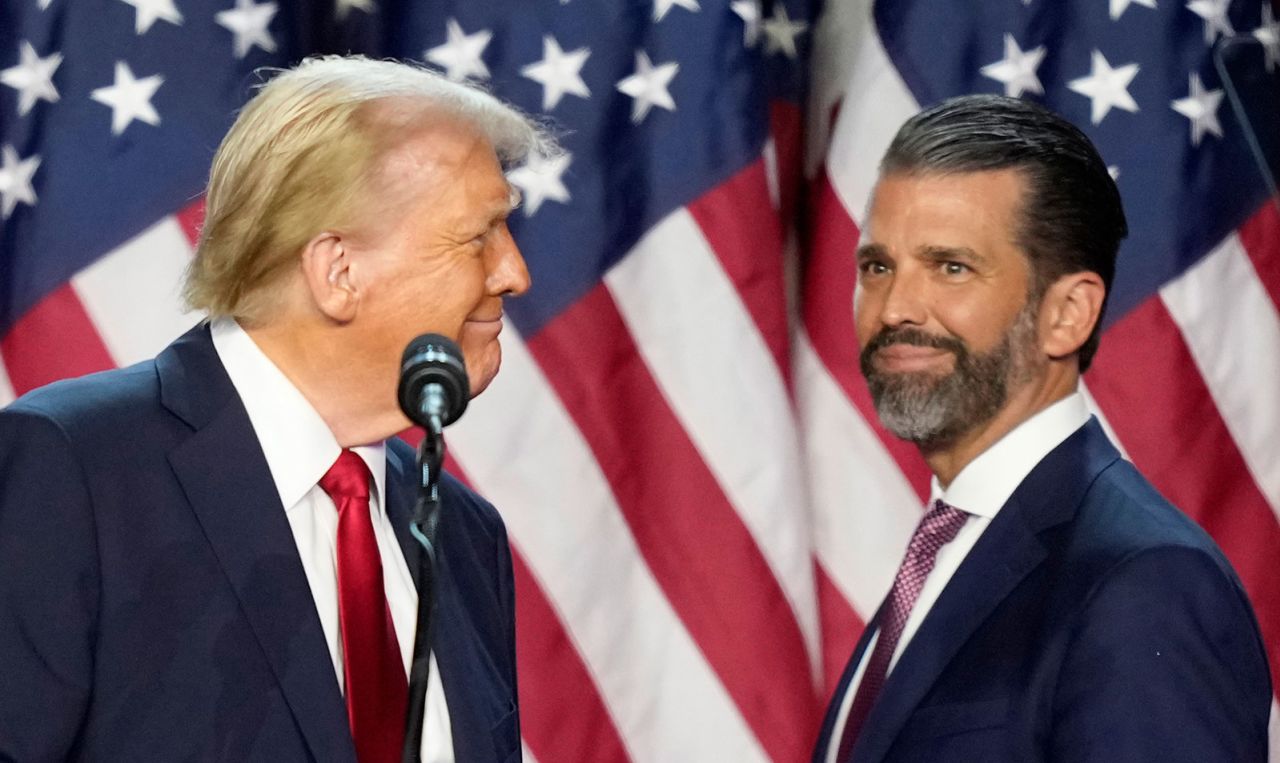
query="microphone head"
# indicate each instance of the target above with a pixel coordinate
(433, 359)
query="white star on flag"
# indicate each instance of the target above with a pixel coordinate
(781, 32)
(558, 72)
(129, 98)
(1017, 70)
(248, 22)
(460, 55)
(749, 12)
(1106, 87)
(1118, 7)
(1214, 13)
(662, 7)
(15, 180)
(344, 7)
(648, 86)
(539, 179)
(147, 12)
(1269, 35)
(1201, 107)
(32, 77)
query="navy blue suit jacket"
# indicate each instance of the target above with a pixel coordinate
(152, 602)
(1092, 621)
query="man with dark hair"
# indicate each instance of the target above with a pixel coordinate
(1051, 604)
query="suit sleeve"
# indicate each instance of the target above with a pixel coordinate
(507, 600)
(1166, 665)
(48, 589)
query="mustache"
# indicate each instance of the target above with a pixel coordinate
(911, 336)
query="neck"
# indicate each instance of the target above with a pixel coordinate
(948, 459)
(356, 402)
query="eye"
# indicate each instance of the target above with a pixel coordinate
(873, 267)
(953, 268)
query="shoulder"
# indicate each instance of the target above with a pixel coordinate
(465, 506)
(109, 401)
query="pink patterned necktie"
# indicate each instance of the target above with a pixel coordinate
(938, 527)
(377, 689)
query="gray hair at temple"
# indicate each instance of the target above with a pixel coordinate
(1071, 220)
(303, 156)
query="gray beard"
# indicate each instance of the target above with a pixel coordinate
(932, 411)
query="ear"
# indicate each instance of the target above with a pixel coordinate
(326, 270)
(1070, 309)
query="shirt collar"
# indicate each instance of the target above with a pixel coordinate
(298, 445)
(986, 483)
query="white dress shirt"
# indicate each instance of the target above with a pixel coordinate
(299, 449)
(980, 489)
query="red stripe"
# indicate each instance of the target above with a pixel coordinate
(1261, 239)
(841, 629)
(191, 218)
(54, 340)
(562, 714)
(830, 274)
(751, 255)
(577, 724)
(1176, 437)
(696, 545)
(786, 124)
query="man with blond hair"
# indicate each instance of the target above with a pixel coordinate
(206, 555)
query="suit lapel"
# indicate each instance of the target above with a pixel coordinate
(1006, 553)
(226, 479)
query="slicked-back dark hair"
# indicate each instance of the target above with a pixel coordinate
(1071, 218)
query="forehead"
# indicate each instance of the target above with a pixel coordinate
(430, 155)
(954, 209)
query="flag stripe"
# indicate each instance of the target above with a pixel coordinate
(131, 293)
(673, 281)
(1260, 236)
(6, 387)
(54, 340)
(577, 725)
(658, 475)
(841, 627)
(750, 255)
(1219, 494)
(549, 665)
(560, 512)
(1210, 303)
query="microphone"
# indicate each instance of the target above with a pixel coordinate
(434, 389)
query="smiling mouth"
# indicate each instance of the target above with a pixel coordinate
(909, 357)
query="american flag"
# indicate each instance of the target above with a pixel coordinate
(702, 507)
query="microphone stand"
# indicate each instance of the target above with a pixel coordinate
(426, 518)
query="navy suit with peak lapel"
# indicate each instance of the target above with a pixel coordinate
(152, 602)
(1092, 621)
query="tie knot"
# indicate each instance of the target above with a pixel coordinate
(940, 524)
(347, 478)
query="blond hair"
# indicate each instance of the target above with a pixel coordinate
(301, 158)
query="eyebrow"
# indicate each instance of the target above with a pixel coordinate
(945, 253)
(868, 251)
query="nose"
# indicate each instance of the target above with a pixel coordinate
(508, 273)
(903, 301)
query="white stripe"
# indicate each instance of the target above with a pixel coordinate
(1274, 736)
(864, 508)
(519, 445)
(837, 36)
(132, 294)
(6, 386)
(875, 103)
(706, 353)
(1233, 330)
(525, 754)
(770, 155)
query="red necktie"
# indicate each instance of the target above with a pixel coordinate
(938, 527)
(377, 689)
